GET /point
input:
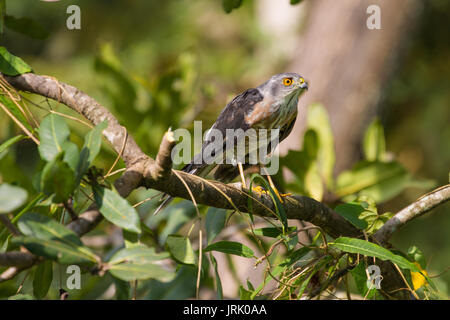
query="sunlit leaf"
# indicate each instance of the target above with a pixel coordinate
(378, 180)
(11, 197)
(21, 297)
(131, 272)
(374, 144)
(8, 143)
(351, 212)
(318, 120)
(53, 133)
(42, 280)
(139, 254)
(43, 227)
(14, 109)
(56, 250)
(116, 209)
(181, 249)
(231, 247)
(11, 65)
(370, 249)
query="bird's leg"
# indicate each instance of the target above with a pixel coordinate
(241, 172)
(272, 185)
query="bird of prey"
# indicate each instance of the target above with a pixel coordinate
(272, 105)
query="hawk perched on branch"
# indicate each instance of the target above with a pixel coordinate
(272, 105)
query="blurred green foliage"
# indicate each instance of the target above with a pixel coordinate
(157, 65)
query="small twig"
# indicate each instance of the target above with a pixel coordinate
(68, 206)
(414, 210)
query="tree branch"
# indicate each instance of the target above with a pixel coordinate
(414, 210)
(157, 174)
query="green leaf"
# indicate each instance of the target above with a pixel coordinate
(11, 197)
(370, 249)
(378, 180)
(139, 254)
(71, 155)
(374, 144)
(229, 5)
(217, 277)
(313, 183)
(123, 289)
(53, 133)
(417, 255)
(56, 250)
(280, 213)
(317, 119)
(295, 1)
(16, 112)
(245, 294)
(181, 249)
(42, 227)
(116, 209)
(132, 272)
(57, 178)
(351, 212)
(295, 256)
(231, 247)
(26, 26)
(42, 279)
(11, 65)
(374, 220)
(215, 221)
(8, 143)
(91, 148)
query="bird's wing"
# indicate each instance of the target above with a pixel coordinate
(231, 117)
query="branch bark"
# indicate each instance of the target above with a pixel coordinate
(414, 210)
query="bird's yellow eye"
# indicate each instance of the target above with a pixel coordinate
(301, 80)
(287, 81)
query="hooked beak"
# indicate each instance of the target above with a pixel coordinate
(304, 85)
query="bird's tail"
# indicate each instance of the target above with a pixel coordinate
(166, 200)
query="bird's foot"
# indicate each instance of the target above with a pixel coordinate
(280, 196)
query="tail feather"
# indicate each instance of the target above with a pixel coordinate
(166, 199)
(165, 202)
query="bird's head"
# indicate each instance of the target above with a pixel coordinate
(284, 85)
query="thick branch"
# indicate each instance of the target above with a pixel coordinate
(414, 210)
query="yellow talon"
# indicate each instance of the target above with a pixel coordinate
(259, 189)
(280, 196)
